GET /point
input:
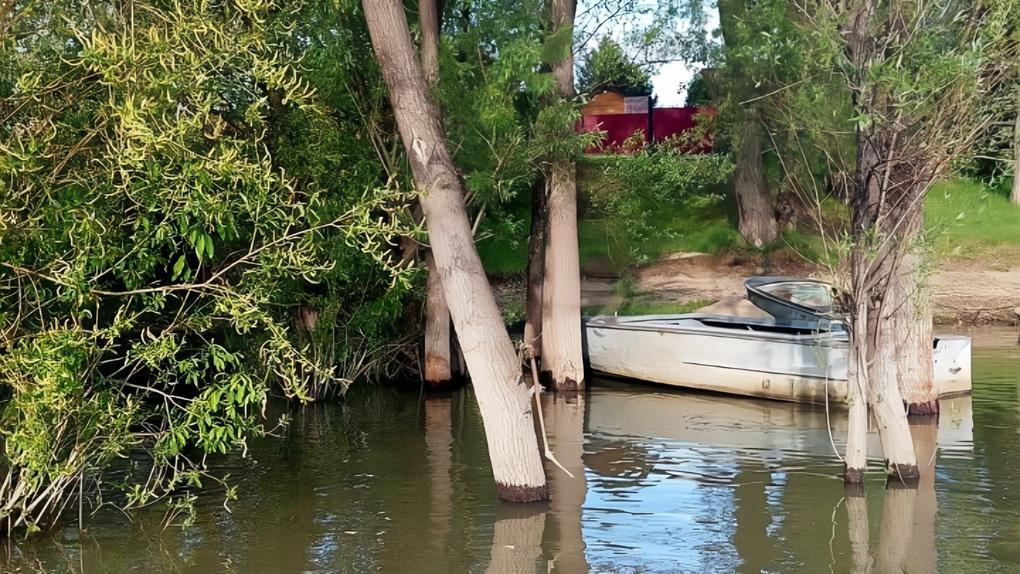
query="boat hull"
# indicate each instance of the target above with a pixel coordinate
(685, 351)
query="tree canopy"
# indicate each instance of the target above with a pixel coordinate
(609, 68)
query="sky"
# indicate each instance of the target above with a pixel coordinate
(667, 79)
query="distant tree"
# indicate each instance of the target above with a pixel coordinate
(697, 92)
(608, 67)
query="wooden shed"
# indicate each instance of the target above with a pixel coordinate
(605, 104)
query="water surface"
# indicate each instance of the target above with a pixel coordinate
(665, 481)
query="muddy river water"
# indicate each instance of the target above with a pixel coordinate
(664, 481)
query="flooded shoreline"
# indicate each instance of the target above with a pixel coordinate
(663, 481)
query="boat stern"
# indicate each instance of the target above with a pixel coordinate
(952, 365)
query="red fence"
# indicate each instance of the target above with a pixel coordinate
(663, 123)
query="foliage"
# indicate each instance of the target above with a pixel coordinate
(153, 240)
(608, 68)
(656, 180)
(698, 94)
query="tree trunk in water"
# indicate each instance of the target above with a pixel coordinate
(438, 347)
(503, 399)
(757, 219)
(562, 360)
(1015, 196)
(536, 268)
(856, 457)
(887, 403)
(912, 315)
(438, 372)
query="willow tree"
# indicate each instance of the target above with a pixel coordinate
(503, 398)
(755, 208)
(152, 243)
(562, 359)
(924, 80)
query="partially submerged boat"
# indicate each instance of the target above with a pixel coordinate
(799, 354)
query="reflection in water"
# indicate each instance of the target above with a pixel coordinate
(663, 482)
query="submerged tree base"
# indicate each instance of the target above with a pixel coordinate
(922, 409)
(853, 476)
(902, 474)
(515, 493)
(567, 385)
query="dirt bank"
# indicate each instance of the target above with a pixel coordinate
(964, 292)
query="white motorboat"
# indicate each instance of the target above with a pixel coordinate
(799, 354)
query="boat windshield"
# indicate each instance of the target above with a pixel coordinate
(816, 296)
(795, 300)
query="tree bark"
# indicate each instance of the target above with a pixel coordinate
(756, 217)
(536, 268)
(913, 320)
(503, 399)
(562, 360)
(438, 345)
(856, 456)
(429, 19)
(438, 371)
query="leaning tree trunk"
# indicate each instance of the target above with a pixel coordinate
(562, 360)
(886, 400)
(503, 399)
(438, 347)
(536, 268)
(756, 217)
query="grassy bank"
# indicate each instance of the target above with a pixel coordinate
(972, 221)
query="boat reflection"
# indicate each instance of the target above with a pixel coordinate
(756, 428)
(763, 474)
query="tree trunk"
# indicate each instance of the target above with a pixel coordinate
(912, 315)
(1015, 196)
(856, 457)
(503, 399)
(429, 19)
(536, 268)
(438, 347)
(438, 371)
(756, 217)
(887, 403)
(562, 360)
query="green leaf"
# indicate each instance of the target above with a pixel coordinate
(179, 266)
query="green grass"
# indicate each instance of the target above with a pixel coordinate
(969, 220)
(966, 220)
